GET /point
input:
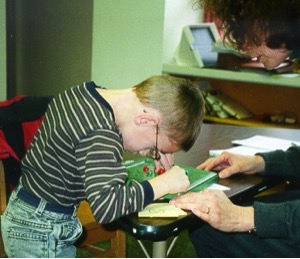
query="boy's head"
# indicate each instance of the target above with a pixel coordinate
(180, 105)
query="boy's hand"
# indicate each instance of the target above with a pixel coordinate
(172, 181)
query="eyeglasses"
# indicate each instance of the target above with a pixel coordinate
(153, 152)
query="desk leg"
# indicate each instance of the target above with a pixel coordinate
(159, 249)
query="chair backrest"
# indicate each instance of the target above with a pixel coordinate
(20, 118)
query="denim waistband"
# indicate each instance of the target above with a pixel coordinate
(34, 201)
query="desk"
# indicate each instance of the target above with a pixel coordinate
(242, 188)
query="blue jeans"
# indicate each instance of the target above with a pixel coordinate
(29, 231)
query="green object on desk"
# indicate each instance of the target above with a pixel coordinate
(144, 169)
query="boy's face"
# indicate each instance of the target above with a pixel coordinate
(270, 58)
(142, 143)
(163, 145)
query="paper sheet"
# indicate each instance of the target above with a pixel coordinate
(161, 210)
(267, 143)
(256, 144)
(216, 186)
(241, 150)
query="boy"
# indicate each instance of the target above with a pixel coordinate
(77, 154)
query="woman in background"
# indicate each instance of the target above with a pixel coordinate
(270, 227)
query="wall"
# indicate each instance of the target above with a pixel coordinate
(2, 51)
(52, 45)
(127, 40)
(132, 38)
(178, 13)
(117, 43)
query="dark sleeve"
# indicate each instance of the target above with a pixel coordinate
(284, 164)
(149, 194)
(278, 220)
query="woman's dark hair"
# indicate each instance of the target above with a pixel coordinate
(254, 22)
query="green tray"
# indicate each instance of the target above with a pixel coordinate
(143, 169)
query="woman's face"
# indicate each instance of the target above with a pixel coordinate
(270, 58)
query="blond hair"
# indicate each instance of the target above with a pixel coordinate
(180, 104)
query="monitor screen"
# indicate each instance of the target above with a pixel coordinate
(195, 47)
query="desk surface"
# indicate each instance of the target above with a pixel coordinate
(212, 136)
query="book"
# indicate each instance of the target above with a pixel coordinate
(144, 169)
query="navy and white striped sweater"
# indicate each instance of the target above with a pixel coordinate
(77, 154)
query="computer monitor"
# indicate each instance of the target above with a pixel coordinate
(195, 47)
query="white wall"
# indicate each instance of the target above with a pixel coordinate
(2, 51)
(178, 13)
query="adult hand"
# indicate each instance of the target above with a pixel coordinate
(228, 164)
(214, 207)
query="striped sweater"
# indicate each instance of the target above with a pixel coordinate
(77, 154)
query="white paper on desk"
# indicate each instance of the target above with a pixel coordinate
(241, 150)
(161, 210)
(266, 143)
(216, 186)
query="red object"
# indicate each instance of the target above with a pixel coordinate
(161, 171)
(20, 118)
(29, 130)
(146, 169)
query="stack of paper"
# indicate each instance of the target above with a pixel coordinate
(256, 144)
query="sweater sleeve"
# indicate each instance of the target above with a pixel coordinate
(280, 219)
(285, 164)
(100, 163)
